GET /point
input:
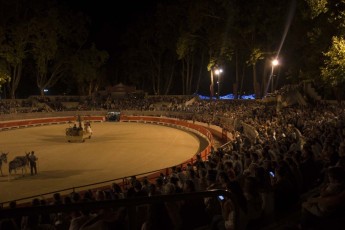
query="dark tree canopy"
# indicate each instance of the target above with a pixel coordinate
(171, 47)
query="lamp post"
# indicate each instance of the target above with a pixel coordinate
(275, 62)
(217, 72)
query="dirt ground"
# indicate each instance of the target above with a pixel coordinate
(115, 150)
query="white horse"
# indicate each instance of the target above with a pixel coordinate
(3, 158)
(88, 128)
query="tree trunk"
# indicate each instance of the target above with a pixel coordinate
(211, 86)
(242, 79)
(254, 81)
(16, 74)
(90, 89)
(237, 76)
(200, 73)
(338, 94)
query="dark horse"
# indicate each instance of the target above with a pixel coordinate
(19, 162)
(3, 158)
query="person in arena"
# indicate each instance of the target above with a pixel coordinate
(32, 161)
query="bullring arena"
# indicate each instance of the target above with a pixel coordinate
(116, 150)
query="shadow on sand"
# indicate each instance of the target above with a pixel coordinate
(44, 175)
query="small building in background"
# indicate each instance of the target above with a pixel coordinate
(121, 90)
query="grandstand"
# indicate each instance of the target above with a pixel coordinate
(297, 142)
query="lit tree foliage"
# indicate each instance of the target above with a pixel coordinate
(57, 34)
(334, 70)
(86, 66)
(317, 7)
(14, 38)
(254, 58)
(4, 77)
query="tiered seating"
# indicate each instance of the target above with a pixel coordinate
(288, 156)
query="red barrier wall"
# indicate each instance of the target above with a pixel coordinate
(173, 122)
(54, 120)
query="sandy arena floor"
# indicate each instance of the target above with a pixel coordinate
(115, 150)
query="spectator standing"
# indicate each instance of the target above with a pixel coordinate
(335, 185)
(32, 161)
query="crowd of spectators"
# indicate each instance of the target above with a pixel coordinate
(296, 150)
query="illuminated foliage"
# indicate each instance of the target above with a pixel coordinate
(334, 70)
(4, 77)
(317, 7)
(86, 65)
